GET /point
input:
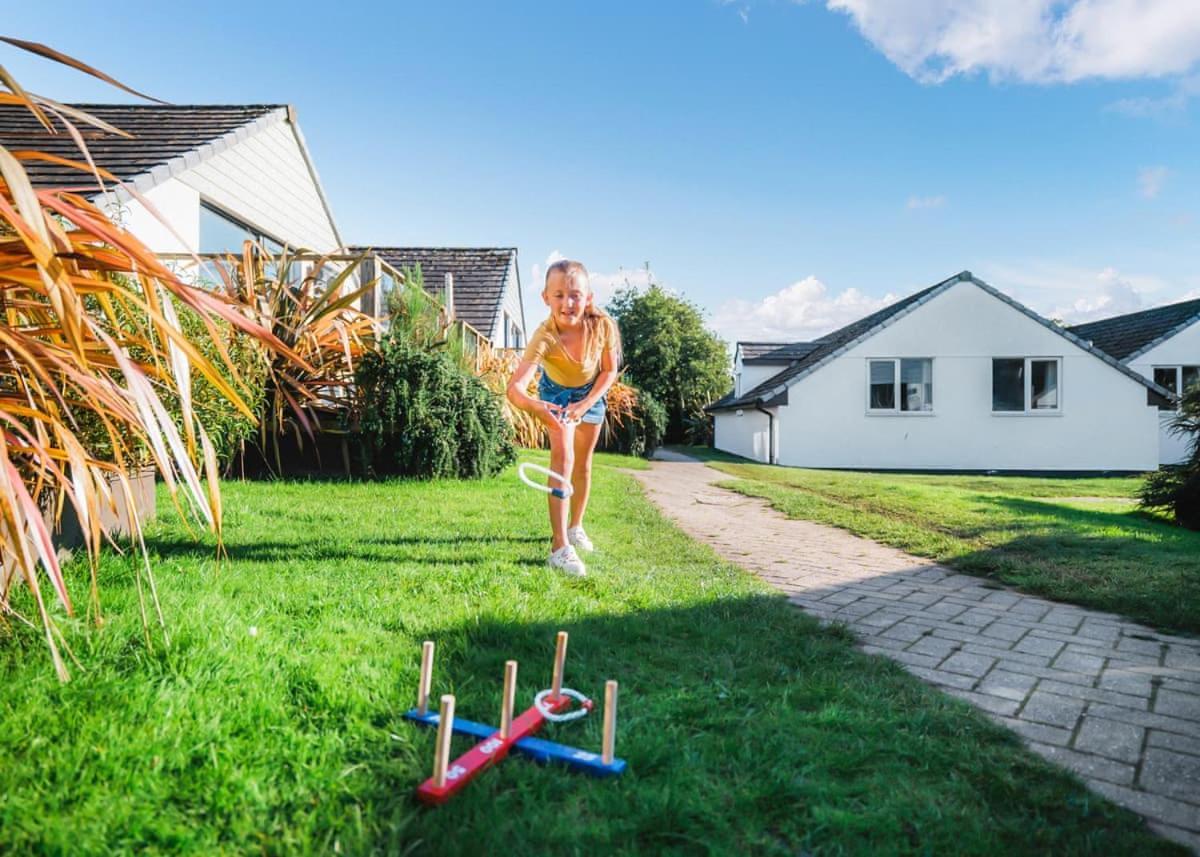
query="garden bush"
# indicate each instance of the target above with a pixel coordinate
(641, 431)
(424, 417)
(1178, 488)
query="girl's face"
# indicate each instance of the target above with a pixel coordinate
(567, 298)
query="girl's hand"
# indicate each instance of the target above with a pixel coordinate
(573, 413)
(551, 414)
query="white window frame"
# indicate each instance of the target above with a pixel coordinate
(896, 411)
(1029, 411)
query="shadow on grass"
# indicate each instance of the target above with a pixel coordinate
(747, 730)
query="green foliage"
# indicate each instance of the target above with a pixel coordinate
(414, 315)
(638, 433)
(669, 353)
(424, 417)
(1178, 488)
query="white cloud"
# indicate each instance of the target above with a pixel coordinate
(1151, 179)
(1076, 295)
(918, 202)
(803, 311)
(1182, 92)
(1036, 41)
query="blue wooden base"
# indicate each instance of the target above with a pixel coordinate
(537, 749)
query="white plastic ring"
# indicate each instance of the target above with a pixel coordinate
(585, 705)
(562, 493)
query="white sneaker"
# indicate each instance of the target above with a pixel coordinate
(567, 561)
(577, 537)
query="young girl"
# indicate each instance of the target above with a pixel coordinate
(579, 350)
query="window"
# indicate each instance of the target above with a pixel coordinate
(1177, 379)
(903, 385)
(221, 233)
(1026, 384)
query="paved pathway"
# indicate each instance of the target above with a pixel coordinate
(1113, 701)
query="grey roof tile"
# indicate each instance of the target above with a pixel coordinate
(480, 276)
(162, 133)
(1127, 336)
(764, 353)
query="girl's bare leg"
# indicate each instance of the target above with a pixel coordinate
(586, 436)
(562, 460)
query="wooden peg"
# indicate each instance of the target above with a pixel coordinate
(426, 677)
(510, 695)
(441, 759)
(560, 657)
(609, 745)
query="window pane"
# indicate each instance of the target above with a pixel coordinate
(916, 385)
(1191, 377)
(1166, 378)
(883, 385)
(220, 234)
(1045, 385)
(1008, 384)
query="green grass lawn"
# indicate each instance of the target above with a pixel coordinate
(1080, 540)
(747, 728)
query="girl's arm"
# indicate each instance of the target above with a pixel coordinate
(519, 383)
(604, 380)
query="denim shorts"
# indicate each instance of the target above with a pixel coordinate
(556, 394)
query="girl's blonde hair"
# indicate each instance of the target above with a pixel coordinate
(595, 320)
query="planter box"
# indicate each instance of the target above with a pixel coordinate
(69, 533)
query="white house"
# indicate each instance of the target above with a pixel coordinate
(218, 174)
(1162, 344)
(486, 285)
(955, 377)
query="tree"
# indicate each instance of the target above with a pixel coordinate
(1178, 489)
(669, 353)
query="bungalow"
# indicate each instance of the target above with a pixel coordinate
(1162, 344)
(485, 286)
(218, 174)
(955, 377)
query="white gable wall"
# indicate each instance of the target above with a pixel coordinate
(510, 308)
(1104, 423)
(750, 376)
(742, 432)
(263, 180)
(1181, 349)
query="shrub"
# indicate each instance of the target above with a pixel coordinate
(1178, 488)
(423, 417)
(637, 430)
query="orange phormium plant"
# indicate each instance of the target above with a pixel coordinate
(317, 321)
(68, 277)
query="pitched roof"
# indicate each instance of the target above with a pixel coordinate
(161, 134)
(773, 391)
(1126, 337)
(480, 276)
(774, 352)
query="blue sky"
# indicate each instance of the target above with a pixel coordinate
(788, 166)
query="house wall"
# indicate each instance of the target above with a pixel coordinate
(1181, 349)
(1104, 422)
(743, 433)
(754, 374)
(263, 180)
(510, 306)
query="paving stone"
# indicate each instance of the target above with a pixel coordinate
(934, 646)
(1073, 662)
(1123, 681)
(1003, 600)
(1038, 646)
(1161, 808)
(1085, 764)
(991, 704)
(1135, 646)
(1005, 631)
(1171, 741)
(1036, 731)
(974, 618)
(1140, 703)
(1175, 704)
(1061, 617)
(1053, 709)
(934, 676)
(1170, 773)
(1009, 685)
(905, 631)
(967, 664)
(1185, 658)
(841, 597)
(986, 646)
(1110, 738)
(1144, 718)
(923, 598)
(942, 609)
